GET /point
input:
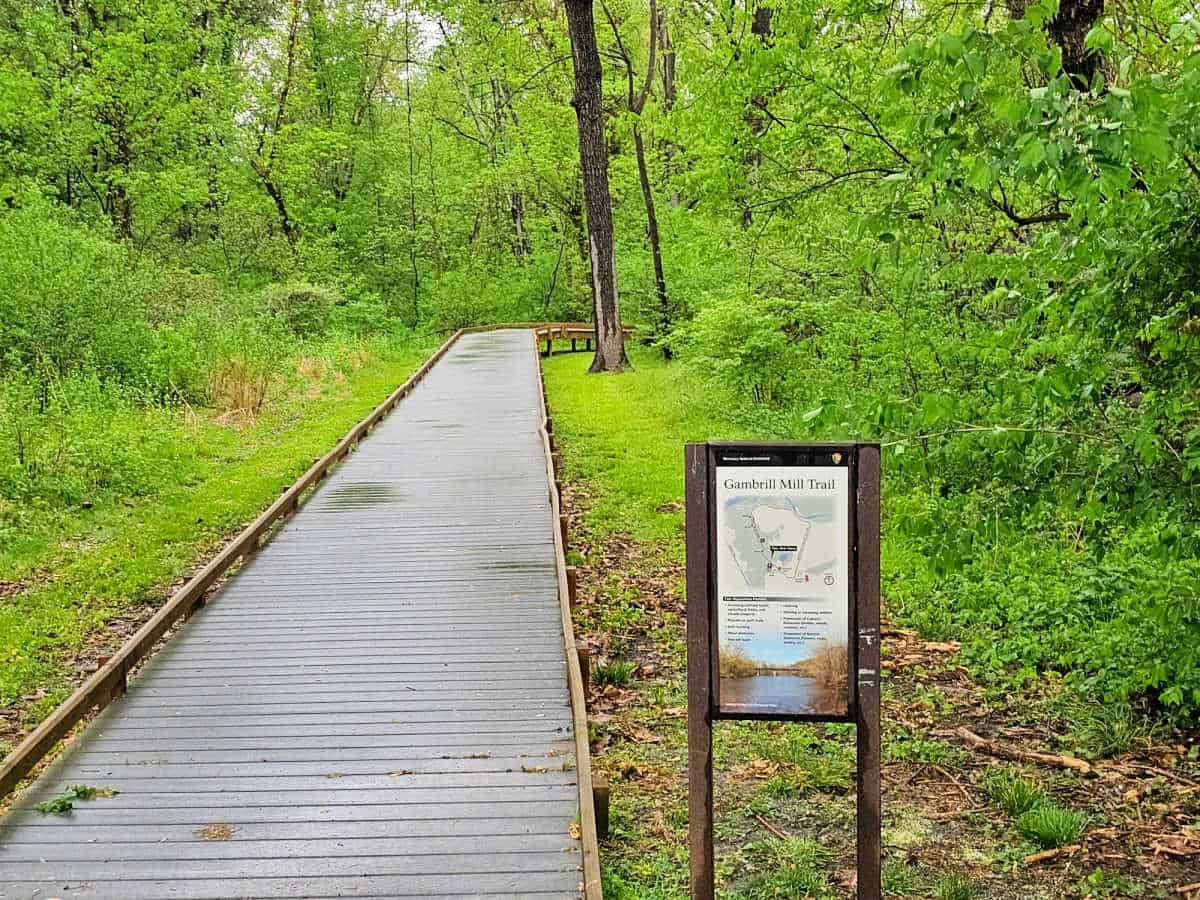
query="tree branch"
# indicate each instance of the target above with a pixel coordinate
(1054, 215)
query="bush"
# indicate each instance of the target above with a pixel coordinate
(740, 343)
(80, 438)
(303, 309)
(69, 302)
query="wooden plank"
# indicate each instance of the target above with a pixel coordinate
(592, 888)
(494, 886)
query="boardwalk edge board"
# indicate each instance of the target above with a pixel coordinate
(587, 812)
(110, 680)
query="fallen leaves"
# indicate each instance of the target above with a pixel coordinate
(216, 831)
(641, 735)
(755, 768)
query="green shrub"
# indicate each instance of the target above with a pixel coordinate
(1052, 826)
(71, 439)
(69, 303)
(739, 342)
(303, 309)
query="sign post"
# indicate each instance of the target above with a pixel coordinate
(782, 612)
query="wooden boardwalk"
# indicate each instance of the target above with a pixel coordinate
(376, 705)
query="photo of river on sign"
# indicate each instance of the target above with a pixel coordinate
(782, 539)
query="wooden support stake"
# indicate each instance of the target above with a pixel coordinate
(867, 706)
(200, 603)
(700, 768)
(573, 347)
(556, 458)
(600, 793)
(585, 657)
(572, 585)
(563, 528)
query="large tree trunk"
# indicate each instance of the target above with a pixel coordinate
(593, 158)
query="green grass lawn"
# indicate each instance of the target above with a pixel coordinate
(79, 570)
(946, 837)
(624, 435)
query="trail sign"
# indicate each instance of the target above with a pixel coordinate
(783, 611)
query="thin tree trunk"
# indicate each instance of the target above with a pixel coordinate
(439, 248)
(636, 102)
(263, 168)
(660, 281)
(516, 204)
(412, 173)
(668, 96)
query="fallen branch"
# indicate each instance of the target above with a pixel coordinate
(782, 835)
(1186, 888)
(1043, 855)
(1045, 759)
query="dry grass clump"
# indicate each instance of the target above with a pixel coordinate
(240, 384)
(313, 368)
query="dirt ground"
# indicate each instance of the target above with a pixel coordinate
(785, 793)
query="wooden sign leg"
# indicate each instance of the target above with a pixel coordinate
(867, 577)
(700, 767)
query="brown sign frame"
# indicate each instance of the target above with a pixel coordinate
(863, 461)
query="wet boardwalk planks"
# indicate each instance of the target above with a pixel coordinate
(375, 706)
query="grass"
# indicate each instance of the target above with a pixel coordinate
(628, 431)
(906, 746)
(792, 869)
(1013, 791)
(1051, 826)
(955, 887)
(618, 672)
(84, 567)
(1103, 731)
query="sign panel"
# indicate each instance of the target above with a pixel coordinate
(781, 539)
(782, 602)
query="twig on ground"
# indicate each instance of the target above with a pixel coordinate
(1043, 855)
(1017, 755)
(782, 835)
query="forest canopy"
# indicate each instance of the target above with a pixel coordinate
(969, 230)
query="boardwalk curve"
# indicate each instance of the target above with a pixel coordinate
(377, 704)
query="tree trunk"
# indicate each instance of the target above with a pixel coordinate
(1068, 29)
(516, 205)
(263, 168)
(668, 95)
(756, 115)
(660, 281)
(593, 158)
